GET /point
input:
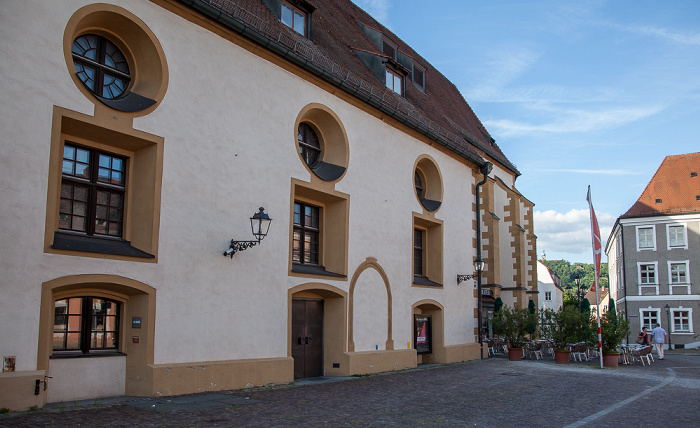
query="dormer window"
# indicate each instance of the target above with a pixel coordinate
(419, 77)
(389, 50)
(293, 18)
(394, 81)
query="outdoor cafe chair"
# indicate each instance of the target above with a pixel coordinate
(492, 350)
(535, 348)
(582, 351)
(642, 353)
(574, 350)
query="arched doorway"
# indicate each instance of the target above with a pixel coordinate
(428, 328)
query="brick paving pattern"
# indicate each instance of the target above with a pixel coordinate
(488, 393)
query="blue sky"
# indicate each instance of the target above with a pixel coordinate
(575, 93)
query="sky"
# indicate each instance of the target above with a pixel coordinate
(575, 93)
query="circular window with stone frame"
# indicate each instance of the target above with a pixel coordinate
(115, 59)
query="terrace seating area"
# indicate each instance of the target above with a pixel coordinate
(579, 352)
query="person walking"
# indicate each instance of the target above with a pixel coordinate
(659, 340)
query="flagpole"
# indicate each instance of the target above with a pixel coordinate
(595, 273)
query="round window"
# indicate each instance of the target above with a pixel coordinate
(309, 145)
(101, 66)
(427, 182)
(419, 185)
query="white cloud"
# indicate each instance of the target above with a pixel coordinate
(379, 9)
(685, 38)
(568, 235)
(570, 120)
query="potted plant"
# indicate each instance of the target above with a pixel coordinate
(564, 327)
(512, 324)
(613, 328)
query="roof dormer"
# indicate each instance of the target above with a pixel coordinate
(295, 14)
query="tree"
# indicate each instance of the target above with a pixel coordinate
(567, 272)
(585, 306)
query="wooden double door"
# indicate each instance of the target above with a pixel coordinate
(307, 337)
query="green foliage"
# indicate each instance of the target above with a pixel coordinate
(566, 325)
(614, 327)
(532, 321)
(567, 272)
(585, 306)
(497, 305)
(4, 410)
(512, 323)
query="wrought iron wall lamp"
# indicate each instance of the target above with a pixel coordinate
(259, 224)
(478, 267)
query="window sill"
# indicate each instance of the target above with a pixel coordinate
(315, 270)
(91, 244)
(78, 354)
(422, 280)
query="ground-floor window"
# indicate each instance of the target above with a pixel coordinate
(649, 318)
(86, 324)
(681, 320)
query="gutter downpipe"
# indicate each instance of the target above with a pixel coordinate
(624, 271)
(485, 171)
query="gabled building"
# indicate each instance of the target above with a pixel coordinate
(549, 288)
(654, 253)
(141, 136)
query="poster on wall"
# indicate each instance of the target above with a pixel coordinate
(422, 333)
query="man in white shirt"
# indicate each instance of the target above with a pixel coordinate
(659, 340)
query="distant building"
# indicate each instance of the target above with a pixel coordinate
(654, 253)
(549, 286)
(604, 303)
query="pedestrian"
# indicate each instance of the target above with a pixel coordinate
(659, 340)
(643, 337)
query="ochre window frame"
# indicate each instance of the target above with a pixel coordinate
(334, 214)
(433, 252)
(144, 156)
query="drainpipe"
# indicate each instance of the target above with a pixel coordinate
(624, 273)
(485, 170)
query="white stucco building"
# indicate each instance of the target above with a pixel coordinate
(549, 287)
(140, 136)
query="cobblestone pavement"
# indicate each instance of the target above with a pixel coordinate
(487, 393)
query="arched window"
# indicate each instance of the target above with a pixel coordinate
(101, 66)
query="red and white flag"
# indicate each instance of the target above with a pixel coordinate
(595, 239)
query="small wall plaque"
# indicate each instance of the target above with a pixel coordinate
(135, 322)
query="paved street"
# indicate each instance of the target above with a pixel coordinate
(489, 393)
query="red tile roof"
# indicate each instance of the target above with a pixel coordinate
(440, 112)
(674, 189)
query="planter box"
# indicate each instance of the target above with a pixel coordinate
(515, 354)
(611, 359)
(562, 357)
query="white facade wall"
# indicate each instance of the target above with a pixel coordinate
(545, 283)
(227, 120)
